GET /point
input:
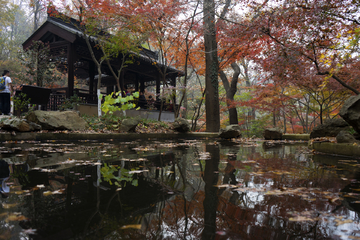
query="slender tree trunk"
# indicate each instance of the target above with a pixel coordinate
(212, 66)
(98, 65)
(284, 116)
(211, 200)
(274, 118)
(321, 114)
(230, 92)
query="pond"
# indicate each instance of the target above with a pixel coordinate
(184, 189)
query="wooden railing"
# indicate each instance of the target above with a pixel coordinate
(59, 95)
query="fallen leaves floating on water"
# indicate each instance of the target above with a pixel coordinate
(225, 186)
(14, 217)
(353, 237)
(9, 205)
(47, 193)
(221, 233)
(248, 161)
(302, 219)
(134, 226)
(340, 222)
(29, 231)
(250, 189)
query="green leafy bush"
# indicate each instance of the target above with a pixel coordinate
(115, 102)
(70, 103)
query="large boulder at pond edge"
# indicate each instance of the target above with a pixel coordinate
(129, 124)
(272, 134)
(181, 125)
(231, 131)
(56, 120)
(345, 137)
(330, 128)
(350, 112)
(19, 125)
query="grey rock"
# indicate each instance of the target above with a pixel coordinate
(345, 137)
(231, 131)
(181, 125)
(16, 124)
(35, 127)
(330, 128)
(350, 112)
(272, 134)
(129, 124)
(57, 120)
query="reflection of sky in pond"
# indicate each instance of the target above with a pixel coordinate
(187, 190)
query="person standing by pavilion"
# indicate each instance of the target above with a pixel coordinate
(5, 94)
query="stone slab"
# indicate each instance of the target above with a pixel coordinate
(305, 137)
(344, 149)
(33, 136)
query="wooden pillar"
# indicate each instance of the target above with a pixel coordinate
(70, 60)
(91, 77)
(109, 89)
(158, 79)
(142, 85)
(173, 80)
(122, 75)
(137, 78)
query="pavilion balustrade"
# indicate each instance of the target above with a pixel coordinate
(58, 96)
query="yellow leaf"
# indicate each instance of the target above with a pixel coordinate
(15, 218)
(9, 205)
(353, 237)
(135, 226)
(339, 222)
(302, 219)
(47, 193)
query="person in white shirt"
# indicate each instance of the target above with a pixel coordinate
(6, 94)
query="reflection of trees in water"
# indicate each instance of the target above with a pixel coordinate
(211, 175)
(242, 215)
(196, 209)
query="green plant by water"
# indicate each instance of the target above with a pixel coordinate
(115, 102)
(21, 102)
(108, 173)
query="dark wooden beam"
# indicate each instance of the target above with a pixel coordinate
(70, 68)
(173, 79)
(91, 77)
(49, 27)
(58, 44)
(137, 82)
(158, 79)
(122, 74)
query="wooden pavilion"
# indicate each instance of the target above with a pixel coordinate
(68, 46)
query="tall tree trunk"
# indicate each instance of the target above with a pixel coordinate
(321, 114)
(212, 66)
(284, 116)
(274, 118)
(211, 201)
